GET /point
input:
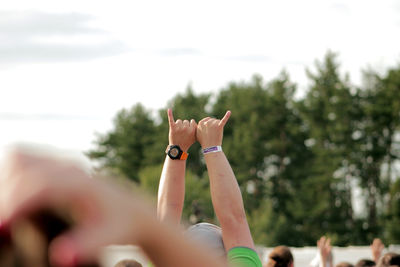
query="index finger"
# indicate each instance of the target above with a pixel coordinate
(225, 119)
(171, 119)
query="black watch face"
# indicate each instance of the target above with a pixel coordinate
(174, 152)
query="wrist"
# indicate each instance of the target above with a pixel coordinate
(205, 145)
(211, 149)
(175, 152)
(184, 148)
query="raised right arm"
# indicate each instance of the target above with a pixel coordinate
(225, 192)
(325, 251)
(376, 249)
(171, 190)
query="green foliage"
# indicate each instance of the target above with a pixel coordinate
(149, 178)
(392, 230)
(329, 111)
(271, 228)
(244, 134)
(378, 150)
(197, 205)
(123, 150)
(296, 160)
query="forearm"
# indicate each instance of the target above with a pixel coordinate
(171, 191)
(323, 263)
(330, 261)
(227, 201)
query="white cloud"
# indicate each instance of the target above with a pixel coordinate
(28, 36)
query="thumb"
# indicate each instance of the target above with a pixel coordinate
(73, 247)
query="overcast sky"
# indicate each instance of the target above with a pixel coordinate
(67, 67)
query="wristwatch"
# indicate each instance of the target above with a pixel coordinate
(175, 152)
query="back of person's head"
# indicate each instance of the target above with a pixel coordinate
(128, 263)
(365, 263)
(209, 235)
(344, 264)
(389, 259)
(280, 256)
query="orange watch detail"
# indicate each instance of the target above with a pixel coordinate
(184, 155)
(176, 153)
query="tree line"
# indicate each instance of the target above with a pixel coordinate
(324, 164)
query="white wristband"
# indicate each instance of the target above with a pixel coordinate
(212, 149)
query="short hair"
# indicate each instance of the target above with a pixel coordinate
(280, 256)
(209, 235)
(128, 263)
(365, 263)
(389, 259)
(344, 264)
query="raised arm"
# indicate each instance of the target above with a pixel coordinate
(376, 249)
(325, 251)
(103, 214)
(171, 190)
(225, 193)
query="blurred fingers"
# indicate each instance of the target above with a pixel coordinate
(83, 244)
(204, 120)
(322, 243)
(193, 124)
(64, 251)
(20, 200)
(80, 245)
(20, 188)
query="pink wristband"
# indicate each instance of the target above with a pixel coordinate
(212, 149)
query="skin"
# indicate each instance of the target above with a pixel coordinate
(171, 190)
(225, 192)
(376, 249)
(325, 250)
(30, 183)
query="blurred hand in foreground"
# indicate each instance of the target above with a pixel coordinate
(102, 213)
(29, 183)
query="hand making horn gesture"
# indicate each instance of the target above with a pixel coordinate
(210, 131)
(182, 133)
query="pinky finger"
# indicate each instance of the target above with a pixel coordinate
(226, 117)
